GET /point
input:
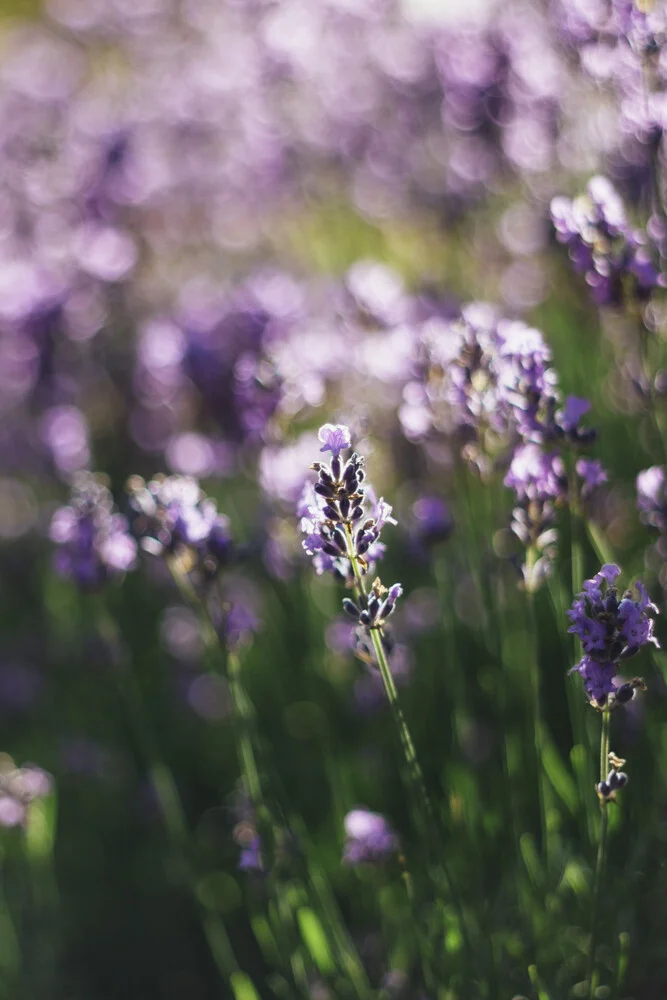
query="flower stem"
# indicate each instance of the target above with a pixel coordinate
(601, 855)
(407, 743)
(536, 706)
(414, 771)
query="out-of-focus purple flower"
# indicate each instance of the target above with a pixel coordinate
(171, 515)
(19, 786)
(489, 381)
(369, 840)
(540, 483)
(575, 408)
(250, 858)
(603, 246)
(652, 497)
(432, 522)
(92, 539)
(537, 475)
(65, 433)
(611, 628)
(593, 474)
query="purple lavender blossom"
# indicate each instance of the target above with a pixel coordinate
(171, 515)
(652, 497)
(92, 539)
(369, 840)
(537, 475)
(611, 628)
(603, 246)
(19, 786)
(336, 526)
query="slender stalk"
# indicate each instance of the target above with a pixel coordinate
(414, 770)
(407, 743)
(601, 855)
(536, 705)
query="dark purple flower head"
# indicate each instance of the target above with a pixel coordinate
(18, 787)
(335, 519)
(92, 539)
(611, 627)
(652, 497)
(368, 838)
(171, 515)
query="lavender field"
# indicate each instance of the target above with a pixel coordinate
(333, 500)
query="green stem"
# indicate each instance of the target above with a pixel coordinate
(536, 705)
(415, 773)
(601, 855)
(414, 770)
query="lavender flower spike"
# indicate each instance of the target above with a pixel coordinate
(611, 628)
(341, 532)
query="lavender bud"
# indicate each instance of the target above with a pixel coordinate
(350, 608)
(625, 693)
(339, 539)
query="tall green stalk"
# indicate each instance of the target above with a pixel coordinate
(591, 974)
(414, 771)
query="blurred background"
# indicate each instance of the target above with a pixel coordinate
(224, 223)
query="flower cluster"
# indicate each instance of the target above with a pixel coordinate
(342, 538)
(612, 627)
(616, 260)
(172, 516)
(380, 604)
(19, 786)
(336, 525)
(369, 839)
(92, 538)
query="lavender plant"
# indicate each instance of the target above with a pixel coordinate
(612, 627)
